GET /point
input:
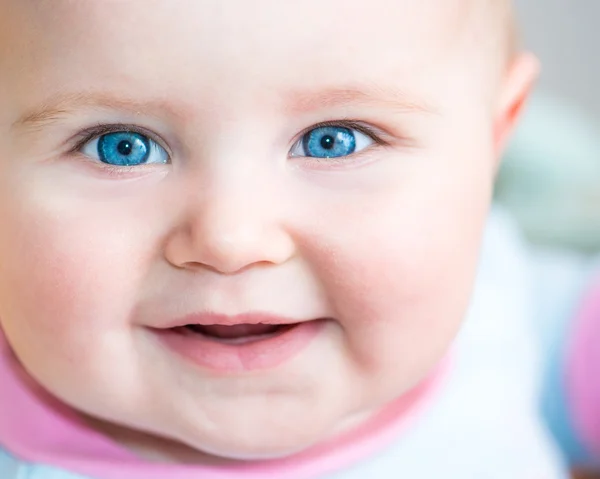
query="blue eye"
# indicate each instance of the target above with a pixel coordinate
(331, 142)
(125, 148)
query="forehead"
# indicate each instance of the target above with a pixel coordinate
(302, 19)
(187, 45)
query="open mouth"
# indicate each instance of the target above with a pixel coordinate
(237, 344)
(237, 333)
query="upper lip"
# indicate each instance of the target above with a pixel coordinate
(209, 319)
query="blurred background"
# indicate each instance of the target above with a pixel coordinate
(566, 36)
(551, 177)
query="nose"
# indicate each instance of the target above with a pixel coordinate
(229, 231)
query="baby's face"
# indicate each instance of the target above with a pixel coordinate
(171, 163)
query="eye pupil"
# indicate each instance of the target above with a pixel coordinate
(125, 147)
(327, 142)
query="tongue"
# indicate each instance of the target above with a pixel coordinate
(237, 330)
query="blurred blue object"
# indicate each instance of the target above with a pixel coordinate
(559, 282)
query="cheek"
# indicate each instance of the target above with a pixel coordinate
(67, 272)
(399, 268)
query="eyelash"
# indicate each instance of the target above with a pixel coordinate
(347, 123)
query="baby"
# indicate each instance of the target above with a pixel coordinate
(239, 238)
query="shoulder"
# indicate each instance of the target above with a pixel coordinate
(559, 292)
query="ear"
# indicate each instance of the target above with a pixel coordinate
(518, 83)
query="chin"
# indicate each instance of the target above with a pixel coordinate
(257, 443)
(256, 453)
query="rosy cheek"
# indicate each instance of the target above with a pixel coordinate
(65, 275)
(399, 284)
(41, 292)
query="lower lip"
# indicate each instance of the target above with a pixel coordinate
(265, 353)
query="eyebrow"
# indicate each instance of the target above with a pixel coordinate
(361, 96)
(64, 104)
(298, 102)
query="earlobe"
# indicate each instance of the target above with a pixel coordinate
(520, 79)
